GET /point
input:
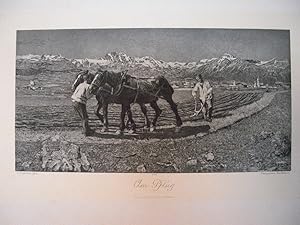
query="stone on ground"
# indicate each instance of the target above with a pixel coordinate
(209, 156)
(192, 162)
(60, 155)
(141, 169)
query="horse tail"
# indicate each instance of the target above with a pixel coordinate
(172, 89)
(168, 84)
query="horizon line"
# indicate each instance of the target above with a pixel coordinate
(274, 58)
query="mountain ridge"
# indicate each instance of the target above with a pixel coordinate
(225, 67)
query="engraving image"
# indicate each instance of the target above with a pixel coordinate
(167, 100)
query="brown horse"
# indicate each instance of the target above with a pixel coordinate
(130, 90)
(105, 96)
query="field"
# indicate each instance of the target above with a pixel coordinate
(52, 113)
(248, 145)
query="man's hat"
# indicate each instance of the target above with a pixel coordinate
(85, 73)
(199, 77)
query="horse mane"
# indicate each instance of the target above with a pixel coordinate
(114, 76)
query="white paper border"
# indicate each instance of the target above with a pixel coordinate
(238, 198)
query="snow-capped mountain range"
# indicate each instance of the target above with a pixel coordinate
(224, 67)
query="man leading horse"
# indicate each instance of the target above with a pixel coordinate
(79, 98)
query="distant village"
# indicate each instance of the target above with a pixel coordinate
(232, 85)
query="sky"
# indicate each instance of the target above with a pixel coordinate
(183, 45)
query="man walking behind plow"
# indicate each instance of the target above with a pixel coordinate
(204, 93)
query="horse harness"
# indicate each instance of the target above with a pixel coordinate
(123, 85)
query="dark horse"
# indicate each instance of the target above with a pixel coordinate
(133, 90)
(105, 96)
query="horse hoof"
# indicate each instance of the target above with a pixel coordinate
(152, 129)
(119, 132)
(131, 131)
(177, 129)
(145, 128)
(103, 130)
